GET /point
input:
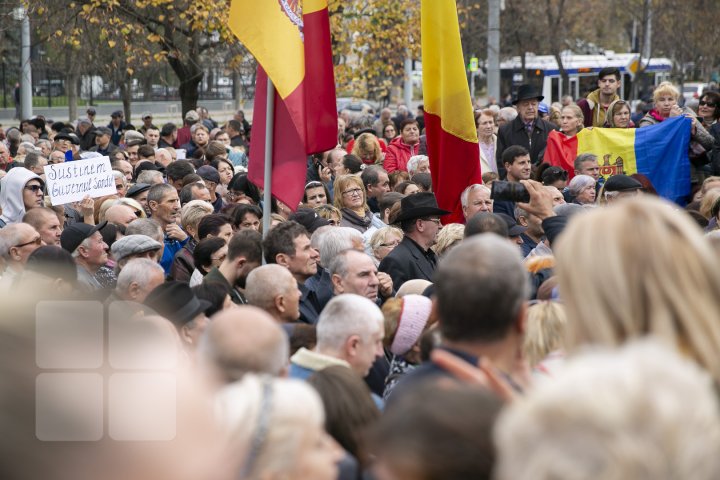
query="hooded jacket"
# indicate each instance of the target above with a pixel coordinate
(592, 110)
(398, 154)
(11, 194)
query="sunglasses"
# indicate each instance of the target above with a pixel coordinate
(34, 188)
(704, 103)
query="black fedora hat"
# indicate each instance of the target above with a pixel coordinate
(418, 205)
(527, 92)
(177, 302)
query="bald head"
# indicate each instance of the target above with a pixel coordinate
(243, 340)
(120, 215)
(274, 289)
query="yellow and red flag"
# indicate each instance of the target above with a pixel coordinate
(290, 39)
(449, 122)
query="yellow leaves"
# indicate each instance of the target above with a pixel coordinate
(58, 33)
(154, 38)
(161, 18)
(40, 10)
(129, 71)
(112, 43)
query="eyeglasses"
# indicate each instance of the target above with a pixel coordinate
(34, 188)
(435, 220)
(354, 191)
(37, 241)
(704, 103)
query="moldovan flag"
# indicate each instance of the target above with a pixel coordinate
(449, 122)
(660, 152)
(290, 39)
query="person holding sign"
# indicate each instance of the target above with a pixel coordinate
(20, 190)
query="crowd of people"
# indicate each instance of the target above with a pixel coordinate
(571, 333)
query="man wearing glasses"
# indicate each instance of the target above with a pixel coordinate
(21, 191)
(20, 240)
(420, 222)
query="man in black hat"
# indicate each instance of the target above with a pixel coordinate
(177, 302)
(86, 244)
(103, 143)
(621, 186)
(420, 221)
(527, 130)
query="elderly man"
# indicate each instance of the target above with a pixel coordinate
(527, 130)
(17, 242)
(120, 214)
(178, 303)
(242, 340)
(134, 246)
(136, 280)
(413, 258)
(4, 156)
(20, 191)
(482, 278)
(46, 222)
(89, 250)
(164, 204)
(103, 144)
(288, 245)
(349, 333)
(243, 256)
(274, 289)
(35, 163)
(474, 199)
(353, 271)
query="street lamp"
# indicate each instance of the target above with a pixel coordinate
(20, 14)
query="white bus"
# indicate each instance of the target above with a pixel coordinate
(542, 72)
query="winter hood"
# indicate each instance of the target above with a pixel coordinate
(11, 193)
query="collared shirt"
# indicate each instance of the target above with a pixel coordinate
(488, 151)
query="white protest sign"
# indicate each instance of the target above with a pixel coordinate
(69, 182)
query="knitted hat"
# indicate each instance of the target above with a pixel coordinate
(414, 316)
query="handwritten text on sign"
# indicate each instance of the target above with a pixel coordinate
(72, 181)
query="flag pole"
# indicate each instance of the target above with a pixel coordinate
(267, 182)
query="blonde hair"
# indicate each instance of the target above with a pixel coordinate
(194, 211)
(659, 276)
(327, 211)
(578, 114)
(448, 237)
(132, 203)
(707, 202)
(666, 88)
(344, 181)
(706, 185)
(544, 331)
(367, 144)
(381, 234)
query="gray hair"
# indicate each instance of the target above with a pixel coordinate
(137, 270)
(643, 395)
(149, 176)
(10, 235)
(579, 183)
(43, 141)
(265, 283)
(120, 175)
(414, 163)
(157, 192)
(346, 315)
(339, 263)
(508, 114)
(147, 227)
(582, 158)
(335, 241)
(466, 193)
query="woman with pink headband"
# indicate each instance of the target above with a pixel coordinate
(406, 319)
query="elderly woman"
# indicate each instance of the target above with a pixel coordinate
(701, 142)
(582, 189)
(709, 110)
(329, 213)
(383, 241)
(418, 164)
(275, 429)
(448, 237)
(558, 150)
(618, 115)
(350, 199)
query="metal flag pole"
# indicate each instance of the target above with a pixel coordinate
(269, 121)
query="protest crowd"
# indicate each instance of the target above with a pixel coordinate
(568, 329)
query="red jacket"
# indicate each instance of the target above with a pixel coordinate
(398, 154)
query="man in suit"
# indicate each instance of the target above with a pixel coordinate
(527, 130)
(413, 258)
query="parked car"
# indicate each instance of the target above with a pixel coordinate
(693, 90)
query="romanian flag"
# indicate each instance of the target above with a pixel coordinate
(449, 122)
(290, 39)
(660, 152)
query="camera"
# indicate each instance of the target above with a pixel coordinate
(509, 191)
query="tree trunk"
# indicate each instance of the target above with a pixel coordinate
(190, 76)
(147, 87)
(126, 96)
(71, 85)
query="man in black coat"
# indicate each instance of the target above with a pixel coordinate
(527, 130)
(420, 222)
